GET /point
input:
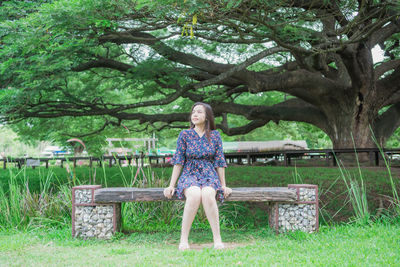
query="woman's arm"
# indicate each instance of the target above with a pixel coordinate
(175, 174)
(169, 191)
(178, 160)
(221, 175)
(220, 164)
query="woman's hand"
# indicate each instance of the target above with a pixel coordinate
(227, 191)
(169, 192)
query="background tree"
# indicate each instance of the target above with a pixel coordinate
(12, 146)
(128, 62)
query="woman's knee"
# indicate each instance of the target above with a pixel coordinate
(208, 193)
(193, 193)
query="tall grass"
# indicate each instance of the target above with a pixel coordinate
(395, 196)
(356, 189)
(357, 195)
(327, 218)
(297, 179)
(21, 209)
(27, 202)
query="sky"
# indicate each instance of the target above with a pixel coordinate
(377, 54)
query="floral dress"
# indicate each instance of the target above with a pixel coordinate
(199, 159)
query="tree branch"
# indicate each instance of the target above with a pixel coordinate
(106, 123)
(388, 86)
(386, 66)
(165, 51)
(388, 122)
(291, 110)
(301, 83)
(242, 129)
(384, 33)
(103, 63)
(395, 98)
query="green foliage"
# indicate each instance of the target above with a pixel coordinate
(394, 140)
(291, 33)
(44, 42)
(11, 10)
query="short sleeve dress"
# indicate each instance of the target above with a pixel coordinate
(199, 159)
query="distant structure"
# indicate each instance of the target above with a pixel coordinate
(54, 151)
(262, 146)
(149, 143)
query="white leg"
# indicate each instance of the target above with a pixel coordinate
(193, 199)
(211, 210)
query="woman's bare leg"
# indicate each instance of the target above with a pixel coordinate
(193, 199)
(211, 210)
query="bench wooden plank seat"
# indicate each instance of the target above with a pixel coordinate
(96, 211)
(253, 194)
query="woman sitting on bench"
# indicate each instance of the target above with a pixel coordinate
(199, 153)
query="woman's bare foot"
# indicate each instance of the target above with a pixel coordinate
(219, 245)
(183, 246)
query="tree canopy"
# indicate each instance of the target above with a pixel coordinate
(127, 62)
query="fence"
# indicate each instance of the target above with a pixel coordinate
(250, 157)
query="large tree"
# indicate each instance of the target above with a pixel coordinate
(148, 61)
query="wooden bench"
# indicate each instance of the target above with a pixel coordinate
(96, 211)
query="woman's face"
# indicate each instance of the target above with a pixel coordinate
(198, 115)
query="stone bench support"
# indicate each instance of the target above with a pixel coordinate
(301, 215)
(96, 211)
(90, 219)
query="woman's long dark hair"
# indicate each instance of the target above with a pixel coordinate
(209, 123)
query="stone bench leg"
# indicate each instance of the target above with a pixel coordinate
(90, 219)
(301, 215)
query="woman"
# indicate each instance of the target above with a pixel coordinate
(199, 154)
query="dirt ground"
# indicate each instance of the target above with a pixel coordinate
(228, 245)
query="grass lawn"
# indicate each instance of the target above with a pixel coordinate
(151, 241)
(346, 245)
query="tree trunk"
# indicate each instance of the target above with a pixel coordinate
(352, 132)
(352, 117)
